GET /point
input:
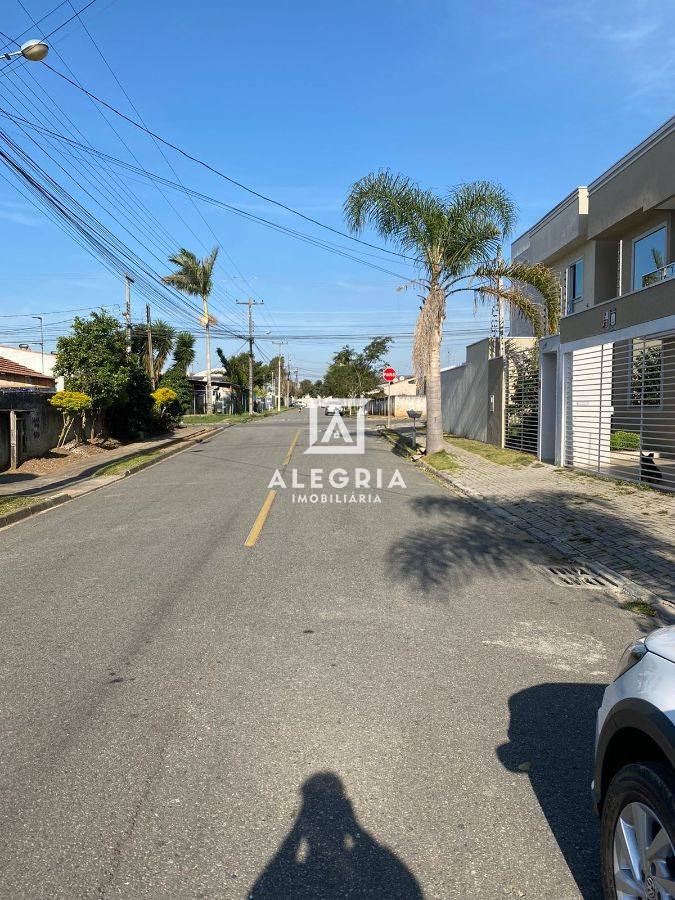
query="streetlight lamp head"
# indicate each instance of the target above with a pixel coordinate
(35, 51)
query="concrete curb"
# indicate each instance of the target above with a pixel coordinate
(27, 511)
(630, 589)
(57, 499)
(172, 442)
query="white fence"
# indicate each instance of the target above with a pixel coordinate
(619, 417)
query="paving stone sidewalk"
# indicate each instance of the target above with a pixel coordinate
(625, 528)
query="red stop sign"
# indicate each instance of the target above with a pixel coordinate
(389, 374)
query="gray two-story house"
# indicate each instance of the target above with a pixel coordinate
(607, 393)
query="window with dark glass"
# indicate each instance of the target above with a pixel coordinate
(575, 283)
(649, 257)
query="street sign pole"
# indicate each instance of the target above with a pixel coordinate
(389, 375)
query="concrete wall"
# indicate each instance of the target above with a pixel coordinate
(562, 227)
(43, 423)
(647, 305)
(402, 403)
(4, 440)
(464, 394)
(495, 416)
(642, 180)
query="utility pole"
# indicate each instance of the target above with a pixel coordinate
(127, 314)
(42, 341)
(279, 344)
(151, 362)
(288, 381)
(250, 303)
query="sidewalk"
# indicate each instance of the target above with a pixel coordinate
(627, 529)
(16, 483)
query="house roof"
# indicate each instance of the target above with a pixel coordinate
(7, 367)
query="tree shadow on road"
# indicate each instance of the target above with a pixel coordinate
(327, 855)
(454, 544)
(456, 541)
(551, 737)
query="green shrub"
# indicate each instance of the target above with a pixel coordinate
(178, 382)
(624, 440)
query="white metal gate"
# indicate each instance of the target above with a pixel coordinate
(620, 410)
(521, 409)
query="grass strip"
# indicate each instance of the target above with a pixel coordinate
(442, 461)
(496, 455)
(119, 468)
(11, 504)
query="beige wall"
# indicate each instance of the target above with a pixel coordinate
(8, 380)
(635, 186)
(654, 302)
(619, 206)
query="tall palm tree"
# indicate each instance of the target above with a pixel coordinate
(454, 243)
(193, 276)
(183, 351)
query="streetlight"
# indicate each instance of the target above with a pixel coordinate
(34, 51)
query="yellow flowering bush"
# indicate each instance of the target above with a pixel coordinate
(72, 405)
(167, 407)
(163, 396)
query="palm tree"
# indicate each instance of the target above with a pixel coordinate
(194, 277)
(183, 351)
(454, 243)
(162, 344)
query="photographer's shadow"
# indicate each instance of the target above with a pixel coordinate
(327, 855)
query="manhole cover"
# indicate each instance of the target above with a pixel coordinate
(580, 577)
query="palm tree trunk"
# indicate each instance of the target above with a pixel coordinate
(433, 392)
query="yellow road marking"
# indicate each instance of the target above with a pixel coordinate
(261, 518)
(287, 458)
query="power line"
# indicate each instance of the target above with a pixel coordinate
(220, 174)
(299, 235)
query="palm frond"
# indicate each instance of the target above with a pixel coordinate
(517, 300)
(192, 276)
(398, 209)
(546, 283)
(184, 351)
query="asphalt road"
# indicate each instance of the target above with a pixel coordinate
(376, 700)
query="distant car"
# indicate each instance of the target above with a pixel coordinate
(332, 408)
(300, 404)
(634, 778)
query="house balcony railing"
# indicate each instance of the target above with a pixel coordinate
(662, 274)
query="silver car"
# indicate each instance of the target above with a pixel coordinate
(634, 779)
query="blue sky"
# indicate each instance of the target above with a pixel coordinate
(298, 100)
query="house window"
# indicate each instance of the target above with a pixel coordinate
(647, 362)
(575, 284)
(649, 255)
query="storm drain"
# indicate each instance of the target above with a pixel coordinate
(580, 577)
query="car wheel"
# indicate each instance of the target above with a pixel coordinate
(637, 834)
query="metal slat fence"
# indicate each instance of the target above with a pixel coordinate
(521, 382)
(620, 410)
